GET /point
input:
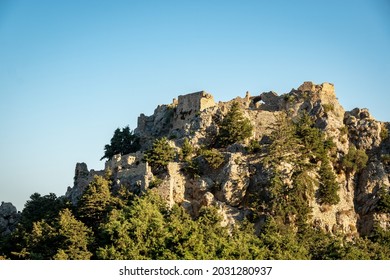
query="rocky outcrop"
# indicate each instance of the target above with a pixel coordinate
(82, 178)
(9, 218)
(197, 116)
(363, 129)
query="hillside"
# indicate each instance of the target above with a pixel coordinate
(268, 170)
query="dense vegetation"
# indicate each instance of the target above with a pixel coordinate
(125, 226)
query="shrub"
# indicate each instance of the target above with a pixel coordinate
(355, 160)
(328, 107)
(383, 205)
(213, 157)
(384, 133)
(254, 146)
(192, 168)
(290, 98)
(156, 182)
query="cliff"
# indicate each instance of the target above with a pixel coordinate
(244, 176)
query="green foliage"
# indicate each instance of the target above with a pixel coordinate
(328, 188)
(234, 127)
(74, 238)
(383, 205)
(123, 142)
(385, 158)
(192, 168)
(328, 107)
(290, 98)
(147, 228)
(312, 138)
(381, 239)
(384, 134)
(285, 145)
(343, 130)
(186, 150)
(254, 146)
(282, 242)
(117, 224)
(41, 208)
(300, 145)
(160, 154)
(150, 230)
(96, 202)
(213, 157)
(343, 133)
(61, 238)
(156, 182)
(355, 160)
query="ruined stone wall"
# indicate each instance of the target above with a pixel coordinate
(131, 171)
(195, 102)
(189, 105)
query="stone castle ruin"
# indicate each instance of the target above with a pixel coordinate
(195, 116)
(189, 105)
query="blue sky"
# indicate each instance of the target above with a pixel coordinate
(73, 71)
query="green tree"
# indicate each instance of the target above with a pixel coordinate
(61, 238)
(328, 188)
(160, 154)
(234, 127)
(186, 150)
(149, 229)
(123, 142)
(136, 232)
(40, 207)
(282, 242)
(75, 238)
(383, 205)
(96, 202)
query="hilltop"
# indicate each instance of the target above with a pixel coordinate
(268, 176)
(242, 174)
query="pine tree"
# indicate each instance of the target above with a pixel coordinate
(328, 189)
(234, 128)
(95, 202)
(123, 142)
(186, 150)
(160, 154)
(74, 238)
(61, 238)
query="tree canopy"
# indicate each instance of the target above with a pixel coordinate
(123, 142)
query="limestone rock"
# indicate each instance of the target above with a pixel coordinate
(234, 179)
(9, 218)
(364, 131)
(82, 178)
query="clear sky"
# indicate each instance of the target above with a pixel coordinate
(71, 72)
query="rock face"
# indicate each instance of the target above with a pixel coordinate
(196, 117)
(9, 218)
(82, 178)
